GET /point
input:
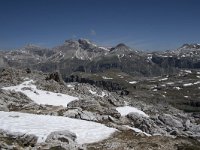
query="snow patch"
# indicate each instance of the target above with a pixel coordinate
(188, 71)
(95, 93)
(43, 125)
(70, 86)
(103, 94)
(120, 76)
(137, 130)
(106, 49)
(133, 82)
(92, 92)
(26, 78)
(149, 57)
(42, 96)
(170, 83)
(106, 78)
(125, 110)
(188, 84)
(164, 79)
(183, 56)
(177, 88)
(198, 82)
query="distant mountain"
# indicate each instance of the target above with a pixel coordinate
(190, 46)
(37, 51)
(121, 49)
(81, 49)
(84, 56)
(187, 56)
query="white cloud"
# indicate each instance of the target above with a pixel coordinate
(74, 36)
(92, 32)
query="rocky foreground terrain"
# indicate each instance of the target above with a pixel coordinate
(41, 111)
(83, 96)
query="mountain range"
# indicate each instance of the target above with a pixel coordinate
(84, 56)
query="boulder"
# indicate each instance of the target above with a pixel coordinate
(62, 136)
(54, 76)
(62, 140)
(89, 105)
(20, 138)
(3, 106)
(28, 139)
(145, 124)
(195, 129)
(72, 113)
(170, 121)
(86, 115)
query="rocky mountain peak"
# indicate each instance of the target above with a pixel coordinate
(71, 43)
(86, 44)
(121, 45)
(80, 43)
(120, 48)
(190, 46)
(84, 41)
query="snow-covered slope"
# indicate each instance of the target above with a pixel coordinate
(42, 126)
(41, 96)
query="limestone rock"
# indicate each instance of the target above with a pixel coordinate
(62, 140)
(61, 136)
(170, 120)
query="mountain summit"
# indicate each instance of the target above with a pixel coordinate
(190, 46)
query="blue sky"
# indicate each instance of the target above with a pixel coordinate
(141, 24)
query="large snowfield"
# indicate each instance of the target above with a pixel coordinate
(43, 125)
(42, 96)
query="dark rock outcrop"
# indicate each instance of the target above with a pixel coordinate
(54, 76)
(107, 85)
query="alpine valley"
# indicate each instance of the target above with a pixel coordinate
(80, 96)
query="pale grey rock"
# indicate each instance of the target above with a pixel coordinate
(72, 113)
(23, 139)
(89, 105)
(195, 129)
(188, 124)
(62, 136)
(62, 140)
(145, 124)
(170, 120)
(3, 106)
(86, 115)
